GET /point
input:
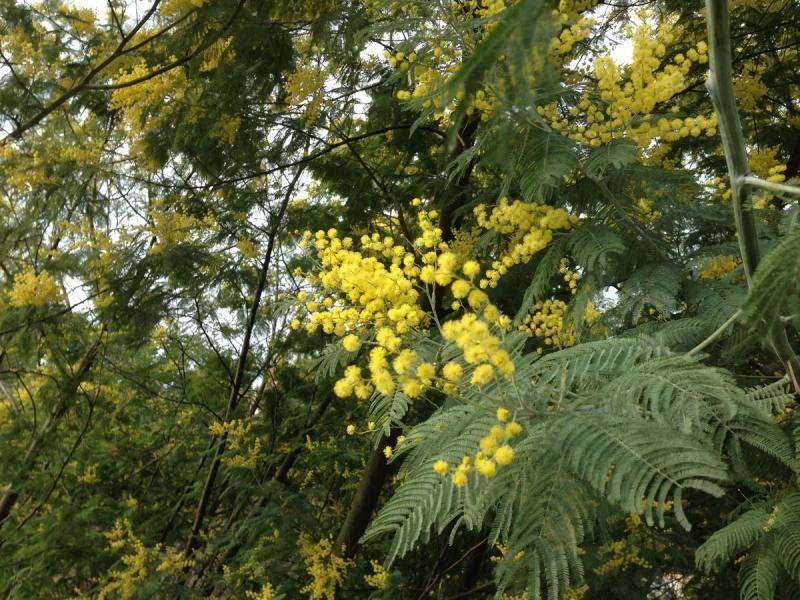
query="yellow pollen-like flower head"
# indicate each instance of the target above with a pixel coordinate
(504, 455)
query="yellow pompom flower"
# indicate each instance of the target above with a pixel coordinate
(427, 274)
(343, 388)
(412, 388)
(503, 414)
(477, 298)
(460, 288)
(482, 375)
(426, 372)
(513, 429)
(441, 467)
(351, 429)
(504, 455)
(351, 343)
(452, 371)
(383, 382)
(488, 445)
(403, 362)
(387, 452)
(486, 467)
(471, 268)
(459, 479)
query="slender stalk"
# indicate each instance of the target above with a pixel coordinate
(720, 87)
(770, 186)
(238, 382)
(717, 332)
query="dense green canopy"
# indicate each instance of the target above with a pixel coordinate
(399, 299)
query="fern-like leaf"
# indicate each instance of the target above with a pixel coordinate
(775, 287)
(639, 464)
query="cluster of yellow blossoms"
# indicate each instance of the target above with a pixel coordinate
(765, 163)
(749, 88)
(139, 101)
(480, 347)
(530, 227)
(546, 322)
(571, 278)
(627, 101)
(33, 289)
(575, 7)
(126, 583)
(379, 577)
(571, 34)
(241, 452)
(719, 267)
(494, 451)
(326, 568)
(376, 292)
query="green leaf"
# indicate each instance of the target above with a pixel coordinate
(550, 158)
(615, 155)
(775, 286)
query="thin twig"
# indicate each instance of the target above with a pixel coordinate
(715, 335)
(770, 186)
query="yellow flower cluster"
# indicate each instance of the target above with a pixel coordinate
(267, 592)
(769, 524)
(647, 211)
(765, 163)
(33, 289)
(749, 88)
(494, 451)
(170, 229)
(623, 104)
(362, 300)
(562, 45)
(226, 128)
(242, 453)
(173, 8)
(575, 7)
(213, 55)
(547, 324)
(326, 568)
(576, 593)
(399, 60)
(530, 229)
(719, 267)
(623, 556)
(361, 290)
(480, 347)
(126, 583)
(379, 577)
(148, 98)
(480, 8)
(89, 475)
(438, 61)
(571, 278)
(306, 86)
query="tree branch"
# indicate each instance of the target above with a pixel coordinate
(238, 381)
(720, 87)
